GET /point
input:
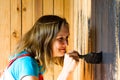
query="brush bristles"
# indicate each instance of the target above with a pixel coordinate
(93, 58)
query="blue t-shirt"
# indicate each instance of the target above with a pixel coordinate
(24, 66)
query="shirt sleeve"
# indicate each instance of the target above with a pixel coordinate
(27, 66)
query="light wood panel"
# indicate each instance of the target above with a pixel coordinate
(58, 7)
(4, 32)
(15, 23)
(77, 34)
(48, 7)
(38, 9)
(27, 15)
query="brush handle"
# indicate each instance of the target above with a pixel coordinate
(81, 56)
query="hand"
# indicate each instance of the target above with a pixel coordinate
(71, 60)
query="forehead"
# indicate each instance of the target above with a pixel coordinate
(64, 31)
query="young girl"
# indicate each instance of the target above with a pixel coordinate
(44, 44)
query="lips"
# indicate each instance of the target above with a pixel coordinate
(63, 50)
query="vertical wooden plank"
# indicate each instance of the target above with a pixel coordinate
(117, 36)
(105, 41)
(38, 9)
(89, 70)
(76, 35)
(27, 15)
(58, 7)
(98, 10)
(113, 39)
(4, 32)
(92, 35)
(77, 23)
(81, 70)
(15, 23)
(92, 27)
(48, 7)
(84, 27)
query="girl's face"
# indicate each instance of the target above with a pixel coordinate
(61, 41)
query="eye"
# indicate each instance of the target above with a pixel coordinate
(61, 39)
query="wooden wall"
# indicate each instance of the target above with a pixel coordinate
(94, 27)
(18, 16)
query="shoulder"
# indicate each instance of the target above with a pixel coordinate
(24, 66)
(25, 59)
(26, 62)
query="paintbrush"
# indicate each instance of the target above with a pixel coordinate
(92, 58)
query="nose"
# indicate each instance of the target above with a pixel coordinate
(65, 43)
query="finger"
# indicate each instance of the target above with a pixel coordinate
(74, 55)
(76, 58)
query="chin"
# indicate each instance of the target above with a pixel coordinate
(59, 55)
(62, 54)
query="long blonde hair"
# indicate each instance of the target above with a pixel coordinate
(38, 40)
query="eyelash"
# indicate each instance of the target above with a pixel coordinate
(61, 39)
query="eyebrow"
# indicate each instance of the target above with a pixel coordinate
(62, 36)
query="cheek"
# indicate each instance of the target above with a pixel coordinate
(55, 49)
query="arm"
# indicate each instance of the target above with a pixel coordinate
(65, 76)
(30, 78)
